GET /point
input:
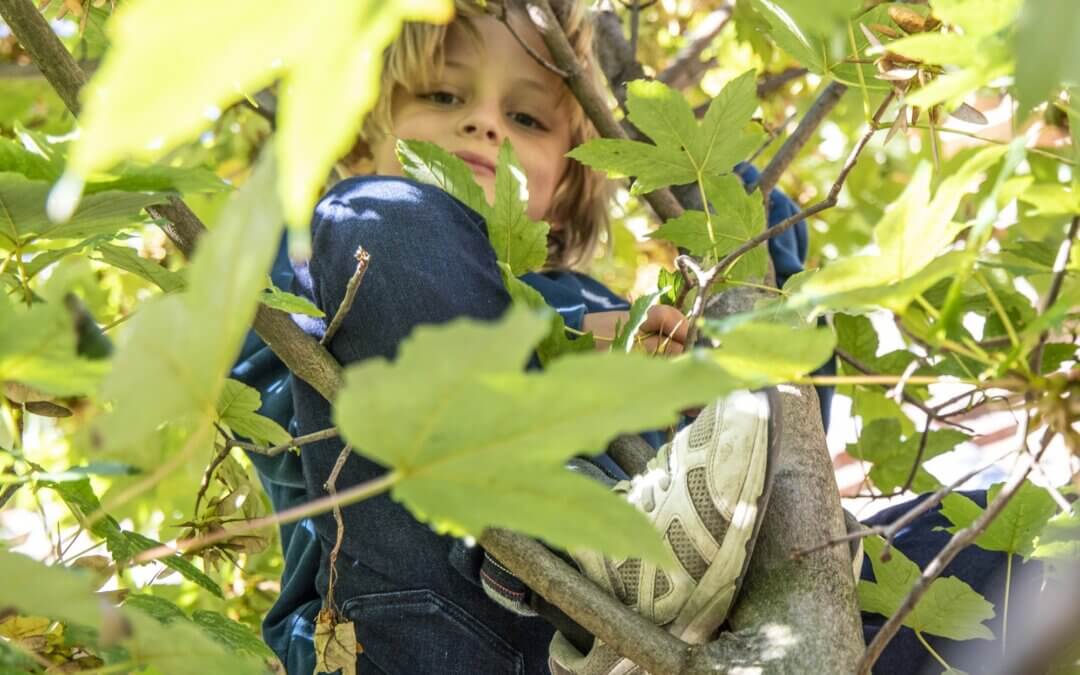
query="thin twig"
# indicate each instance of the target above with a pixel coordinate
(275, 450)
(351, 495)
(331, 488)
(592, 102)
(770, 83)
(362, 260)
(1061, 264)
(208, 475)
(908, 398)
(935, 567)
(504, 16)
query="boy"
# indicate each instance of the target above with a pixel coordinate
(422, 602)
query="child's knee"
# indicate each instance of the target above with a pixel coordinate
(388, 211)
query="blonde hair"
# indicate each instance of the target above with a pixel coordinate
(582, 196)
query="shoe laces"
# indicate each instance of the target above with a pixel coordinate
(643, 488)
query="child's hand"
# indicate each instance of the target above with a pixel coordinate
(662, 332)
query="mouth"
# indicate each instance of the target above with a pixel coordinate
(479, 164)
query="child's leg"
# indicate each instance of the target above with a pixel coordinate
(430, 263)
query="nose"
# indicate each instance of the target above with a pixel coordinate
(482, 122)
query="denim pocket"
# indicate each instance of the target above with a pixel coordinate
(420, 632)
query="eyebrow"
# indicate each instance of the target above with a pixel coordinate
(526, 82)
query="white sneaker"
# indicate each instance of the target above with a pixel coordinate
(704, 491)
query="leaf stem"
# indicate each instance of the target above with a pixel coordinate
(1005, 609)
(937, 657)
(352, 495)
(999, 308)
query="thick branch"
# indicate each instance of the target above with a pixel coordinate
(298, 351)
(592, 101)
(601, 614)
(809, 124)
(18, 71)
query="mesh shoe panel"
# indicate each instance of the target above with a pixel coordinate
(687, 554)
(698, 485)
(630, 573)
(661, 584)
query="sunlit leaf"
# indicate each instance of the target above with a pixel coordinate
(312, 49)
(1014, 529)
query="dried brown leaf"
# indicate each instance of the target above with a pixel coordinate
(335, 644)
(969, 114)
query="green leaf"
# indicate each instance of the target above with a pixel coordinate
(639, 311)
(155, 606)
(949, 608)
(761, 353)
(893, 458)
(276, 298)
(1016, 526)
(910, 237)
(23, 219)
(181, 345)
(38, 348)
(236, 409)
(180, 564)
(519, 241)
(236, 636)
(336, 48)
(428, 163)
(740, 216)
(31, 165)
(790, 37)
(122, 544)
(556, 343)
(978, 17)
(1047, 35)
(685, 151)
(176, 649)
(1059, 540)
(504, 466)
(651, 166)
(129, 260)
(688, 230)
(139, 177)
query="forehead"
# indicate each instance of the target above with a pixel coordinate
(490, 49)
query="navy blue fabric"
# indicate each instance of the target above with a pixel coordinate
(983, 570)
(428, 249)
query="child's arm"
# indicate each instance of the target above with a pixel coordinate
(663, 331)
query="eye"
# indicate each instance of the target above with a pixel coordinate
(440, 98)
(528, 121)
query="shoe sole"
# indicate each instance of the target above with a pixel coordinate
(696, 622)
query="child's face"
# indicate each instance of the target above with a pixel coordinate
(489, 91)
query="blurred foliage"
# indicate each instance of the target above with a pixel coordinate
(994, 57)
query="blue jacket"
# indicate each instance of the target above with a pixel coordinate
(289, 626)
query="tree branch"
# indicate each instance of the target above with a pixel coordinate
(299, 351)
(294, 443)
(809, 124)
(959, 541)
(583, 87)
(629, 633)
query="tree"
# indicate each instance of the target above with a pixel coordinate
(957, 232)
